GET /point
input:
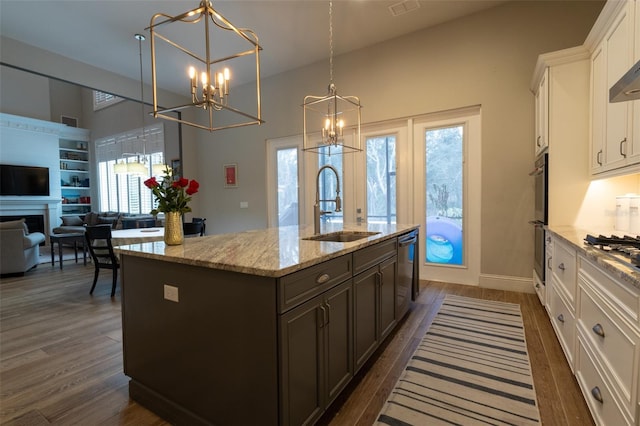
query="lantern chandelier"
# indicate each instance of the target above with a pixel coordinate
(210, 89)
(325, 117)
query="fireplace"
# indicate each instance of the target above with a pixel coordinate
(40, 214)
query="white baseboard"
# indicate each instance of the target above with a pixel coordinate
(504, 282)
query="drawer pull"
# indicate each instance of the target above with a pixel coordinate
(561, 318)
(598, 330)
(321, 279)
(561, 266)
(597, 395)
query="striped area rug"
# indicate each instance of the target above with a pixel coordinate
(471, 368)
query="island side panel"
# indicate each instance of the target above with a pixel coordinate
(213, 353)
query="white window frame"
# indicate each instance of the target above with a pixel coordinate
(470, 118)
(273, 145)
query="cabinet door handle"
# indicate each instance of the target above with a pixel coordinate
(378, 279)
(328, 312)
(598, 330)
(561, 318)
(538, 141)
(381, 278)
(323, 316)
(561, 266)
(597, 395)
(322, 278)
(549, 262)
(598, 159)
(538, 285)
(623, 141)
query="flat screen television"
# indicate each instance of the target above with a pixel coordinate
(24, 180)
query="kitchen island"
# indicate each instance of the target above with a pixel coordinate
(260, 327)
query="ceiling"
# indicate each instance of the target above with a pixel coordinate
(293, 33)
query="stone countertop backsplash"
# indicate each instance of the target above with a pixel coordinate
(271, 252)
(574, 236)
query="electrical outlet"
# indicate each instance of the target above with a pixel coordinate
(171, 293)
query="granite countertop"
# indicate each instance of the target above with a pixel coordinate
(574, 236)
(271, 252)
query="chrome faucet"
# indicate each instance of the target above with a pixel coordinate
(316, 207)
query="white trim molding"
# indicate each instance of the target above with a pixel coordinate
(505, 282)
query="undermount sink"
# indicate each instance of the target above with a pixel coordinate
(342, 236)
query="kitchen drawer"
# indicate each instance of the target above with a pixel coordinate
(564, 324)
(298, 287)
(597, 392)
(372, 255)
(612, 340)
(563, 264)
(624, 298)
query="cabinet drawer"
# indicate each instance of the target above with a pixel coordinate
(623, 297)
(564, 270)
(370, 256)
(564, 323)
(612, 340)
(596, 391)
(301, 286)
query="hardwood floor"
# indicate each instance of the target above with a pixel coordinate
(61, 355)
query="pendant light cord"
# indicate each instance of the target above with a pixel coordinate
(331, 42)
(140, 38)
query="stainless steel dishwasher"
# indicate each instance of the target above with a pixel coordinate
(408, 271)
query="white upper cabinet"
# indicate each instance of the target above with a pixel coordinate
(614, 148)
(542, 114)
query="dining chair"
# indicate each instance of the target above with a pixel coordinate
(101, 250)
(194, 228)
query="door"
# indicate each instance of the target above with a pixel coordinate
(447, 156)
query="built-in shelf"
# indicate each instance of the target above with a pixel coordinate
(74, 176)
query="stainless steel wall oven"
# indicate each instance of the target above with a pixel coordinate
(541, 212)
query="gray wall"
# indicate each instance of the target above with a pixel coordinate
(487, 59)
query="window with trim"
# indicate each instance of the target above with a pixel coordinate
(124, 192)
(103, 100)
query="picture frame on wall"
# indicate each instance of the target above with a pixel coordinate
(176, 167)
(230, 175)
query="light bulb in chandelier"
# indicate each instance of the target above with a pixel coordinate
(215, 91)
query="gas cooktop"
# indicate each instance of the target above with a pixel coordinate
(625, 249)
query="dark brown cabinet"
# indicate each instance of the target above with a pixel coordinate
(316, 354)
(374, 299)
(285, 346)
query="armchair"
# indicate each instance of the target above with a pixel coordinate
(19, 249)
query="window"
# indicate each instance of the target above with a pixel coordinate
(330, 155)
(287, 169)
(103, 100)
(447, 189)
(127, 193)
(444, 200)
(381, 179)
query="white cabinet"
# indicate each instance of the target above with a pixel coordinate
(75, 172)
(565, 74)
(542, 113)
(613, 145)
(561, 295)
(596, 318)
(608, 332)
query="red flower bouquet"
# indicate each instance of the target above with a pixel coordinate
(172, 195)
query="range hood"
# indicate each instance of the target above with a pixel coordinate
(628, 87)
